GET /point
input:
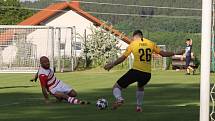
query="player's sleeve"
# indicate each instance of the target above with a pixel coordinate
(43, 80)
(156, 49)
(128, 51)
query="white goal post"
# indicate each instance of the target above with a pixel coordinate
(22, 46)
(205, 60)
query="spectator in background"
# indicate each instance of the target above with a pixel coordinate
(188, 56)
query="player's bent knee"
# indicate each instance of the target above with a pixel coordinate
(57, 96)
(140, 88)
(72, 93)
(59, 99)
(60, 95)
(116, 85)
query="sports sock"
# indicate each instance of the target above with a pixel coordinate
(139, 96)
(188, 70)
(73, 100)
(191, 68)
(117, 93)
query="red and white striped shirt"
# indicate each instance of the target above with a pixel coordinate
(47, 78)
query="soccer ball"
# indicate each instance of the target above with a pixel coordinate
(101, 104)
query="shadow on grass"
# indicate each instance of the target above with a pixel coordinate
(162, 102)
(16, 87)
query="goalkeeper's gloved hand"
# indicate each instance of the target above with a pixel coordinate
(33, 80)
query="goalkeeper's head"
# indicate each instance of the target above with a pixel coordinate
(137, 34)
(44, 62)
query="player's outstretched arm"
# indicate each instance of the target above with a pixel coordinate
(43, 79)
(191, 42)
(166, 54)
(169, 54)
(110, 65)
(45, 94)
(35, 77)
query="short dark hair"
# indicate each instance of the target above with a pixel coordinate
(43, 57)
(138, 32)
(188, 39)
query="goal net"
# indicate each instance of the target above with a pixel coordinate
(22, 46)
(212, 114)
(159, 62)
(212, 91)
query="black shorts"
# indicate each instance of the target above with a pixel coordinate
(188, 59)
(142, 78)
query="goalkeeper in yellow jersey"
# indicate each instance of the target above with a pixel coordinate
(142, 50)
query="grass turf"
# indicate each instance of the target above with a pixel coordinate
(169, 96)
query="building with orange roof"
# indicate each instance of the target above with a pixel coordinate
(68, 20)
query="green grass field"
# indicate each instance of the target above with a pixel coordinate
(169, 96)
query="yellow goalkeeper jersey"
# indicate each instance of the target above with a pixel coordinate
(142, 51)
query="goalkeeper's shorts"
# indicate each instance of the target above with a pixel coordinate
(60, 87)
(142, 78)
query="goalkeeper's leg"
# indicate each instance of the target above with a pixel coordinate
(71, 100)
(72, 93)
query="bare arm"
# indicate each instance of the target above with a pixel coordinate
(34, 79)
(191, 42)
(166, 54)
(43, 82)
(116, 62)
(169, 54)
(119, 60)
(45, 94)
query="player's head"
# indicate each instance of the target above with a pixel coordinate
(137, 34)
(188, 41)
(44, 62)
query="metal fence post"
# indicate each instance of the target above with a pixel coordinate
(52, 47)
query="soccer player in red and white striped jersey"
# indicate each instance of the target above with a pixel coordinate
(49, 83)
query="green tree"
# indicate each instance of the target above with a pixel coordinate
(10, 12)
(100, 47)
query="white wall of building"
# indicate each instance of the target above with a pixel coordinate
(72, 19)
(42, 37)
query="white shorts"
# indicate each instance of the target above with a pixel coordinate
(61, 87)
